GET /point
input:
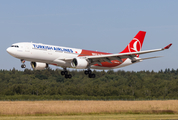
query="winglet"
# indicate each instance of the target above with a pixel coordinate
(168, 46)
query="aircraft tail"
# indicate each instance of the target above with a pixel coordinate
(136, 44)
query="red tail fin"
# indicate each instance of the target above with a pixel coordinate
(136, 44)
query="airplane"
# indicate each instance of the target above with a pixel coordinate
(42, 55)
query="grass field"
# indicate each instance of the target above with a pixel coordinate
(61, 108)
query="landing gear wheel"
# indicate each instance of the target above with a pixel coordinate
(89, 72)
(23, 66)
(62, 73)
(68, 76)
(86, 72)
(91, 75)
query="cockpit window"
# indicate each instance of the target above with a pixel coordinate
(15, 46)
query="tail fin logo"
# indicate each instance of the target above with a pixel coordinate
(134, 45)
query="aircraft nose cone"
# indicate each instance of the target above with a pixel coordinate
(9, 50)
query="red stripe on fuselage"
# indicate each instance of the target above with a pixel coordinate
(104, 64)
(92, 53)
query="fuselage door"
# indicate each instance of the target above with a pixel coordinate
(27, 48)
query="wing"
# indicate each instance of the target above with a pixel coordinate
(131, 55)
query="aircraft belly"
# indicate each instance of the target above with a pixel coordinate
(125, 63)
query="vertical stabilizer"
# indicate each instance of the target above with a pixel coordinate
(136, 44)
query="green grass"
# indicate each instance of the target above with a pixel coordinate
(97, 117)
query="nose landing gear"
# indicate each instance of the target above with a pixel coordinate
(23, 65)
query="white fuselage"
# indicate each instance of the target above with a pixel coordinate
(55, 55)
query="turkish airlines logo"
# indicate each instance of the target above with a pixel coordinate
(134, 45)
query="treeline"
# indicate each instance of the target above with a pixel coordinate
(50, 84)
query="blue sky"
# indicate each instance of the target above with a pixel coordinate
(103, 25)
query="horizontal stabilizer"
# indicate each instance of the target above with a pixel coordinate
(138, 59)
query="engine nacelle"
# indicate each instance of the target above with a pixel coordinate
(39, 65)
(79, 63)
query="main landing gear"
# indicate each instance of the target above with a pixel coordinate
(89, 73)
(66, 74)
(23, 65)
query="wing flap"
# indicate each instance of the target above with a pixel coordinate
(139, 59)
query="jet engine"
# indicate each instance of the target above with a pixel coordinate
(39, 65)
(79, 63)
